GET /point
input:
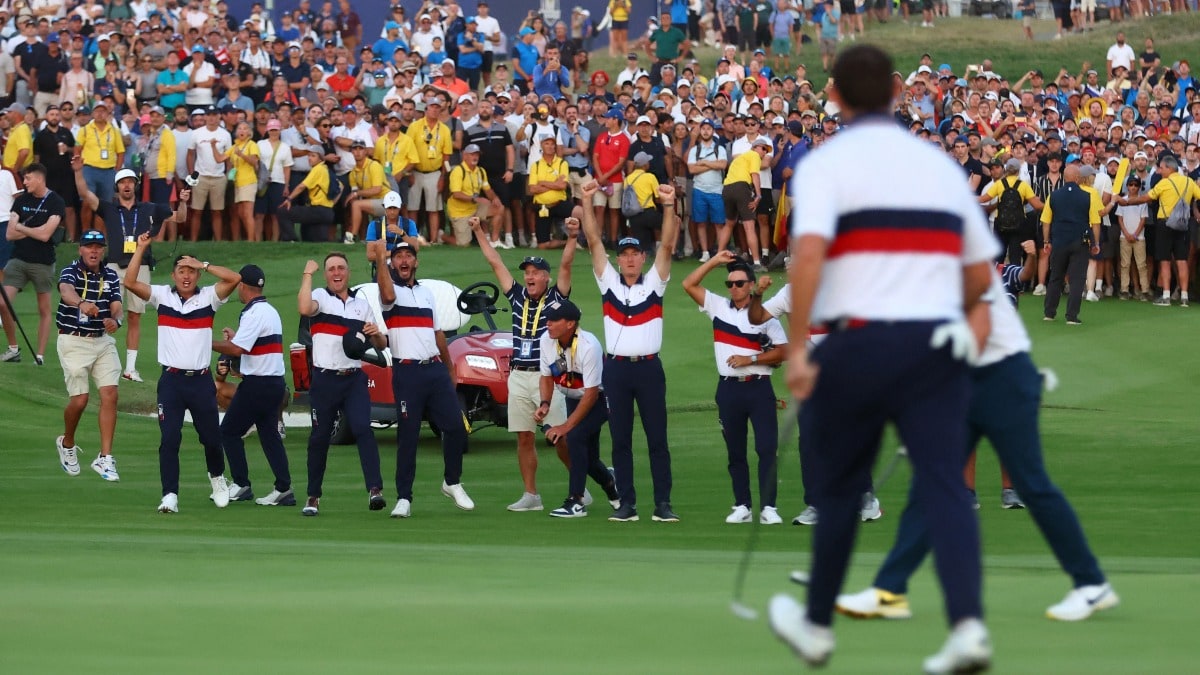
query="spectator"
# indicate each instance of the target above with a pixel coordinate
(202, 78)
(274, 177)
(207, 157)
(368, 185)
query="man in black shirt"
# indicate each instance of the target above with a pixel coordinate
(36, 214)
(54, 146)
(973, 167)
(25, 59)
(496, 157)
(650, 143)
(49, 64)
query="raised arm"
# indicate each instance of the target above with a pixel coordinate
(503, 276)
(591, 230)
(377, 251)
(755, 310)
(85, 195)
(142, 290)
(306, 304)
(568, 257)
(670, 231)
(227, 279)
(691, 283)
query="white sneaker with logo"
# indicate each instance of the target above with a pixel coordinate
(967, 650)
(68, 458)
(106, 466)
(132, 375)
(740, 514)
(527, 502)
(874, 603)
(403, 509)
(769, 516)
(1084, 601)
(809, 641)
(807, 517)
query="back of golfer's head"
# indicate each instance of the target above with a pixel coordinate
(863, 77)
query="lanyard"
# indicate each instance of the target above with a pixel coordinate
(525, 332)
(107, 137)
(124, 232)
(574, 348)
(392, 148)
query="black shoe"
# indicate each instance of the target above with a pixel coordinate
(626, 514)
(664, 514)
(377, 502)
(1074, 322)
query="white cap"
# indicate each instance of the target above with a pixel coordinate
(924, 69)
(466, 97)
(643, 119)
(392, 200)
(683, 83)
(123, 174)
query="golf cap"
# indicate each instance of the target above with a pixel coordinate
(92, 238)
(563, 310)
(642, 159)
(761, 141)
(1013, 164)
(1086, 172)
(471, 148)
(536, 262)
(123, 174)
(357, 145)
(643, 120)
(392, 200)
(629, 242)
(17, 108)
(274, 125)
(404, 246)
(355, 344)
(1140, 155)
(252, 275)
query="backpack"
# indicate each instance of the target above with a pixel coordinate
(1181, 214)
(335, 186)
(1010, 211)
(630, 204)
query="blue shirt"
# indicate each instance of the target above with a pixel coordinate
(527, 56)
(101, 287)
(470, 60)
(168, 79)
(550, 82)
(393, 240)
(384, 48)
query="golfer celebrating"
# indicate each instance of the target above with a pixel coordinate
(890, 276)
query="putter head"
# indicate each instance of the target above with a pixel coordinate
(742, 611)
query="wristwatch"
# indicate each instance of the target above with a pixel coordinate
(206, 264)
(754, 358)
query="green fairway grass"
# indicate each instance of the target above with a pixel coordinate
(96, 581)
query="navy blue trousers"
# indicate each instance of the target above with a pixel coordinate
(643, 382)
(256, 403)
(870, 376)
(583, 447)
(420, 389)
(739, 406)
(178, 393)
(347, 393)
(1005, 398)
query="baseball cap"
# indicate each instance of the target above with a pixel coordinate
(16, 107)
(355, 344)
(357, 144)
(628, 242)
(197, 49)
(563, 310)
(391, 25)
(252, 275)
(197, 111)
(123, 174)
(1013, 164)
(274, 125)
(404, 246)
(614, 113)
(1086, 172)
(536, 262)
(471, 148)
(642, 159)
(91, 238)
(795, 128)
(1140, 155)
(761, 141)
(642, 119)
(392, 200)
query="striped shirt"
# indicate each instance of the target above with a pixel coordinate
(102, 288)
(185, 326)
(734, 335)
(260, 333)
(409, 320)
(580, 365)
(1010, 278)
(632, 314)
(895, 253)
(333, 319)
(529, 322)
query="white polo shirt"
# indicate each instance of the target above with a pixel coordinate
(409, 320)
(332, 320)
(185, 326)
(260, 333)
(1007, 336)
(632, 314)
(781, 303)
(582, 363)
(206, 162)
(896, 252)
(734, 335)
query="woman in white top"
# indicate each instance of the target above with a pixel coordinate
(275, 158)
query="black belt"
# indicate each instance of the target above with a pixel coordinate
(417, 362)
(80, 333)
(580, 172)
(340, 373)
(429, 172)
(185, 373)
(743, 378)
(528, 369)
(634, 359)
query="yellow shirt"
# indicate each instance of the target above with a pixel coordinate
(247, 172)
(166, 154)
(317, 183)
(619, 9)
(470, 182)
(433, 144)
(541, 172)
(98, 148)
(1167, 191)
(20, 138)
(743, 167)
(368, 176)
(1021, 186)
(400, 153)
(644, 185)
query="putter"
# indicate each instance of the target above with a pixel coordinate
(13, 313)
(739, 608)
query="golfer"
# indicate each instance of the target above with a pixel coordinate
(89, 312)
(895, 353)
(185, 318)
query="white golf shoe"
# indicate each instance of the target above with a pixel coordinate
(1084, 601)
(169, 503)
(403, 509)
(220, 493)
(874, 603)
(459, 495)
(967, 650)
(68, 458)
(810, 642)
(740, 514)
(769, 516)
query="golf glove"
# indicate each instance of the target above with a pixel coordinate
(959, 337)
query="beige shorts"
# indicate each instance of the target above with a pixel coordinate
(129, 301)
(424, 194)
(373, 207)
(210, 192)
(524, 397)
(83, 356)
(1087, 5)
(575, 183)
(18, 274)
(245, 193)
(462, 230)
(612, 201)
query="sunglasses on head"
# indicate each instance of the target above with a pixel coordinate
(739, 283)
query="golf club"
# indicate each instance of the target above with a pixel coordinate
(740, 609)
(13, 313)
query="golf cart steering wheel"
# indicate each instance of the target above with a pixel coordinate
(478, 297)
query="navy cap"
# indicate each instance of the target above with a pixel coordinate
(629, 242)
(252, 275)
(536, 262)
(404, 246)
(355, 344)
(92, 237)
(563, 310)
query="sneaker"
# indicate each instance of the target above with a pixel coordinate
(967, 650)
(1108, 291)
(1091, 297)
(106, 466)
(348, 238)
(1183, 302)
(664, 514)
(1040, 289)
(220, 493)
(11, 355)
(1084, 601)
(570, 509)
(807, 517)
(1162, 302)
(277, 498)
(1175, 294)
(1048, 318)
(132, 376)
(874, 603)
(1074, 322)
(587, 497)
(169, 503)
(810, 642)
(403, 509)
(769, 516)
(870, 508)
(1125, 295)
(740, 514)
(760, 268)
(527, 502)
(533, 243)
(704, 257)
(237, 493)
(311, 507)
(459, 495)
(1009, 499)
(1144, 297)
(67, 457)
(508, 242)
(376, 502)
(625, 513)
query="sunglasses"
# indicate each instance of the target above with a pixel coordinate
(739, 283)
(324, 126)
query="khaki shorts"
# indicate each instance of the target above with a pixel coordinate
(129, 301)
(245, 193)
(18, 274)
(373, 207)
(424, 194)
(83, 356)
(462, 230)
(575, 183)
(524, 397)
(209, 192)
(612, 201)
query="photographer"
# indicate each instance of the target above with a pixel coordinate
(551, 76)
